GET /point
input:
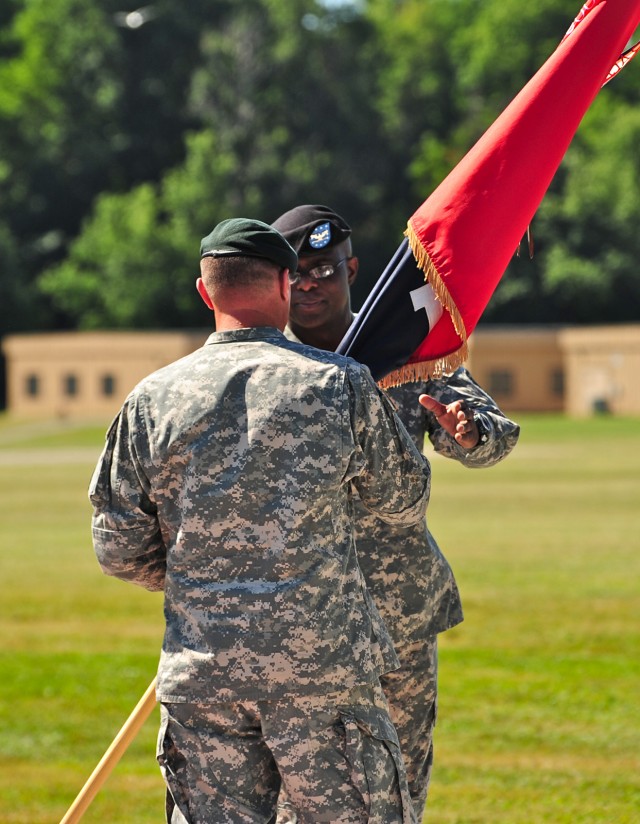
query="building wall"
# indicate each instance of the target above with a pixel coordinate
(580, 371)
(520, 367)
(603, 369)
(85, 374)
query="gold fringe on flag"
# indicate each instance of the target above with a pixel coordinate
(423, 370)
(622, 61)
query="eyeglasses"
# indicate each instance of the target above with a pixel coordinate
(325, 270)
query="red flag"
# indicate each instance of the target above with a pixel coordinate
(464, 235)
(624, 58)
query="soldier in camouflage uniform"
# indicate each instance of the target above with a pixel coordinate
(406, 572)
(228, 481)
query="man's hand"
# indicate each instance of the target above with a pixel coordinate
(455, 418)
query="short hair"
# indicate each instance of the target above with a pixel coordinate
(236, 271)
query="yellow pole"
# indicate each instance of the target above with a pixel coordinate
(128, 732)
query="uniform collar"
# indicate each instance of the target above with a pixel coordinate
(262, 333)
(291, 335)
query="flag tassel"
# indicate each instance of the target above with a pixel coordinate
(425, 369)
(432, 277)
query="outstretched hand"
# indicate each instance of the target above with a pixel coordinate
(455, 418)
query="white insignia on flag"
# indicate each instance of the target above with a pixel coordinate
(425, 298)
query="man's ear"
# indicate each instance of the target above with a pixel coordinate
(284, 284)
(353, 264)
(202, 291)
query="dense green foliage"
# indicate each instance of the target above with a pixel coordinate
(538, 686)
(123, 139)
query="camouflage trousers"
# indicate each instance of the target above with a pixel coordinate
(336, 756)
(412, 693)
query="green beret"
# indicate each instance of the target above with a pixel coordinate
(250, 238)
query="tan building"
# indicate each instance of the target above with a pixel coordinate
(576, 370)
(85, 374)
(580, 371)
(522, 368)
(602, 368)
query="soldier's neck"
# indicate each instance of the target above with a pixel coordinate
(322, 337)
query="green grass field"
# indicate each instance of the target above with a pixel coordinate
(539, 717)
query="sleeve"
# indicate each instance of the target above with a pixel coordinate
(498, 434)
(126, 532)
(390, 475)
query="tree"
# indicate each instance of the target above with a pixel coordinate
(123, 144)
(591, 257)
(474, 59)
(134, 264)
(87, 105)
(280, 126)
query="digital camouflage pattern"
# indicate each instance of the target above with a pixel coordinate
(228, 479)
(346, 767)
(411, 581)
(409, 577)
(412, 692)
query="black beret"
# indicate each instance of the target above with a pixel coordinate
(241, 236)
(310, 229)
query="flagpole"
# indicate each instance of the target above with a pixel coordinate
(127, 733)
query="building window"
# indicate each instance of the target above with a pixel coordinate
(501, 382)
(108, 385)
(557, 383)
(32, 386)
(70, 386)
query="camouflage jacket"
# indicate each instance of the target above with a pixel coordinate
(406, 572)
(228, 480)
